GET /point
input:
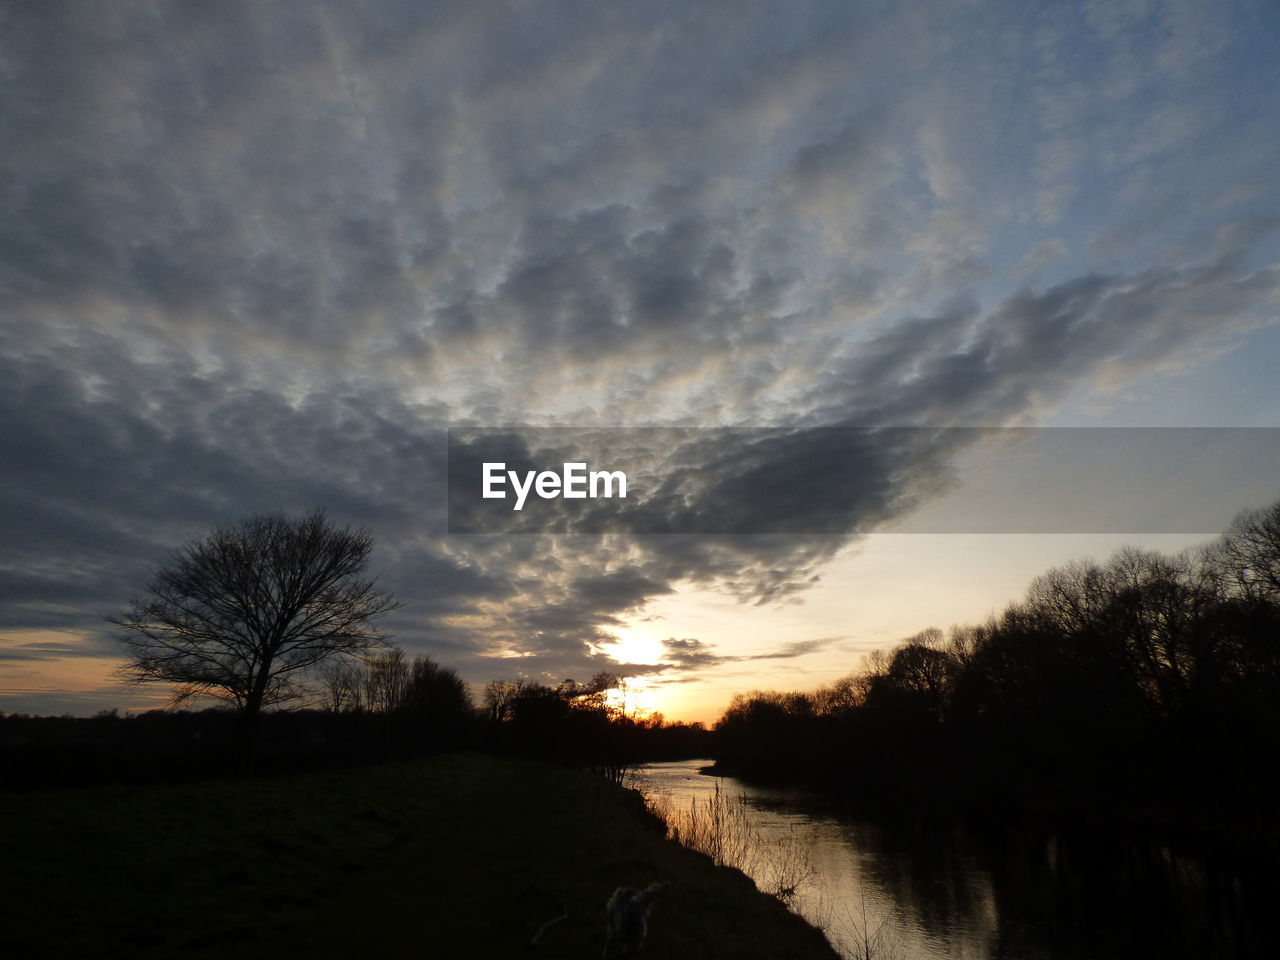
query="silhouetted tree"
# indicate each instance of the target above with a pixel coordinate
(437, 703)
(922, 670)
(1249, 554)
(342, 686)
(244, 613)
(386, 681)
(499, 695)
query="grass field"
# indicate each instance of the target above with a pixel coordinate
(457, 856)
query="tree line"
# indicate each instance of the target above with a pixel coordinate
(385, 705)
(275, 618)
(1148, 681)
(583, 723)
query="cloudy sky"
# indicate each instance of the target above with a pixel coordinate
(263, 256)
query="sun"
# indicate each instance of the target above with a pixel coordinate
(631, 645)
(638, 697)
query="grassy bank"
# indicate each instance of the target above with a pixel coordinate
(458, 856)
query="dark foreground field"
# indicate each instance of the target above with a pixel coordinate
(440, 858)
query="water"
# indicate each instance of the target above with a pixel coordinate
(927, 889)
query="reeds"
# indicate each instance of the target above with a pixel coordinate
(721, 827)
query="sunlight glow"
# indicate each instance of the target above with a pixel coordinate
(633, 645)
(637, 698)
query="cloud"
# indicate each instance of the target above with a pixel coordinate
(690, 654)
(17, 648)
(260, 257)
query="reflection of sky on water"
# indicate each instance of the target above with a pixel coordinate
(853, 889)
(942, 888)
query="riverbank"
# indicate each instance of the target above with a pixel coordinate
(456, 856)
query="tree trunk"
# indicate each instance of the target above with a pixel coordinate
(249, 720)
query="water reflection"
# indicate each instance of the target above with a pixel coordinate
(932, 888)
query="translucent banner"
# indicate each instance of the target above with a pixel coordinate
(851, 480)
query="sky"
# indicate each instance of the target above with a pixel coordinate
(264, 256)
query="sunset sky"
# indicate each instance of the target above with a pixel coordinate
(262, 256)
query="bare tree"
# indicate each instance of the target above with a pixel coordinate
(386, 681)
(342, 686)
(243, 613)
(1249, 554)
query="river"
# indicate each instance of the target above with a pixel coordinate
(926, 888)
